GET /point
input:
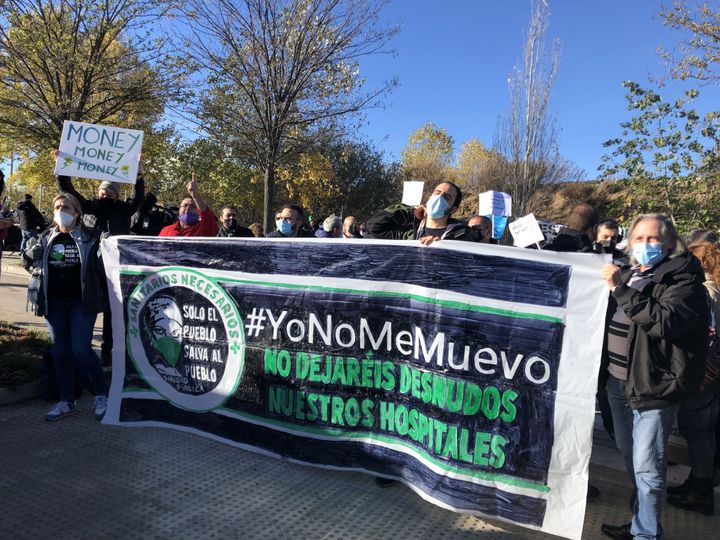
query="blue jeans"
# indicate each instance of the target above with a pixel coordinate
(696, 419)
(641, 437)
(71, 331)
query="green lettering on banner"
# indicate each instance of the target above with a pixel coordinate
(491, 403)
(283, 363)
(508, 402)
(497, 445)
(482, 448)
(302, 365)
(270, 363)
(405, 379)
(352, 370)
(402, 423)
(387, 416)
(352, 412)
(338, 407)
(338, 375)
(463, 446)
(473, 398)
(455, 390)
(450, 449)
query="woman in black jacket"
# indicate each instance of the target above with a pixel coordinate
(70, 296)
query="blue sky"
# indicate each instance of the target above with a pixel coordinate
(453, 59)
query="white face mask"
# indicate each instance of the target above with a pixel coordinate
(64, 219)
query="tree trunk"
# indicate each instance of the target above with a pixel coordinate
(269, 197)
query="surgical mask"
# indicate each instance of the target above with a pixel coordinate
(283, 226)
(606, 246)
(64, 219)
(230, 223)
(189, 218)
(647, 254)
(437, 206)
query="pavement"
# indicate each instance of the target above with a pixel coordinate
(78, 479)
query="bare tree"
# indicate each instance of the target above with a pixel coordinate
(80, 60)
(277, 69)
(526, 137)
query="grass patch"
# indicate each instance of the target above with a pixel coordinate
(21, 353)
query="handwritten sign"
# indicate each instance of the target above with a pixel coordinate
(526, 231)
(99, 152)
(412, 193)
(494, 203)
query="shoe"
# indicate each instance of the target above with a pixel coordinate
(60, 410)
(384, 482)
(593, 493)
(682, 488)
(619, 532)
(100, 406)
(698, 498)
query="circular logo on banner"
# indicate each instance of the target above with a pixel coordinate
(186, 337)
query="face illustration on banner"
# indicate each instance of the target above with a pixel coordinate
(163, 327)
(185, 336)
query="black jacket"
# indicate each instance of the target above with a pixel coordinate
(238, 231)
(668, 340)
(303, 231)
(29, 216)
(398, 222)
(112, 216)
(92, 271)
(570, 241)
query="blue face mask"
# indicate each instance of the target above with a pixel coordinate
(283, 226)
(189, 218)
(437, 206)
(647, 254)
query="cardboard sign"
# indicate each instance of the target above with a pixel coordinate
(412, 193)
(477, 391)
(99, 152)
(526, 231)
(495, 203)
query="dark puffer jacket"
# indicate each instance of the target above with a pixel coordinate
(112, 216)
(668, 340)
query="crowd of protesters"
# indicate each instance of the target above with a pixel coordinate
(660, 326)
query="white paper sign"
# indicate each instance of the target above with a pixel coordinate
(99, 152)
(412, 193)
(495, 203)
(526, 231)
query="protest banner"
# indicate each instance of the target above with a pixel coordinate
(99, 152)
(466, 371)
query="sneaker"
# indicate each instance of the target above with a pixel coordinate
(100, 406)
(60, 410)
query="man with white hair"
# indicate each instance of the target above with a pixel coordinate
(331, 227)
(653, 358)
